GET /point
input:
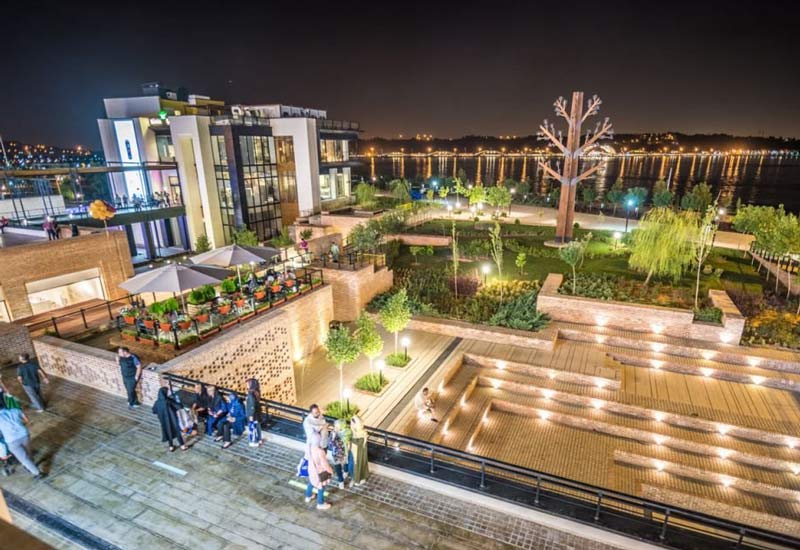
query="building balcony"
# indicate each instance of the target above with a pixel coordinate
(338, 125)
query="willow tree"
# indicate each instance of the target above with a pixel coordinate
(664, 243)
(704, 238)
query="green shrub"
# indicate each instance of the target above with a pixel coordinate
(171, 304)
(201, 244)
(365, 194)
(372, 382)
(600, 286)
(202, 295)
(306, 234)
(520, 313)
(283, 239)
(228, 286)
(397, 359)
(156, 309)
(245, 237)
(708, 314)
(339, 409)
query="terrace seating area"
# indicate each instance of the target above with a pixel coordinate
(717, 433)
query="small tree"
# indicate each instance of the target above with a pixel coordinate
(497, 253)
(589, 195)
(498, 197)
(401, 190)
(520, 261)
(477, 195)
(443, 192)
(663, 244)
(365, 237)
(616, 195)
(365, 193)
(572, 254)
(636, 197)
(706, 230)
(429, 194)
(396, 314)
(369, 339)
(342, 348)
(245, 237)
(201, 244)
(454, 248)
(698, 199)
(662, 196)
(458, 186)
(424, 250)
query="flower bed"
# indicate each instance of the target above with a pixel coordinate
(373, 383)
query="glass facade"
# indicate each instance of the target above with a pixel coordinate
(261, 208)
(334, 183)
(334, 150)
(223, 177)
(166, 151)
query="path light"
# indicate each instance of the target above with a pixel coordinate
(753, 361)
(791, 443)
(551, 375)
(381, 364)
(601, 321)
(758, 379)
(708, 354)
(724, 453)
(485, 268)
(501, 364)
(795, 468)
(707, 372)
(600, 383)
(658, 416)
(544, 415)
(657, 363)
(597, 403)
(405, 342)
(723, 429)
(656, 328)
(347, 393)
(656, 347)
(726, 481)
(548, 394)
(496, 383)
(600, 338)
(659, 439)
(658, 465)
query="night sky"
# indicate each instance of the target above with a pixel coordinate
(448, 69)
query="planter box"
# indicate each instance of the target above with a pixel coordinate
(386, 387)
(224, 310)
(185, 325)
(129, 320)
(165, 327)
(149, 324)
(240, 303)
(128, 337)
(147, 342)
(230, 323)
(202, 318)
(260, 295)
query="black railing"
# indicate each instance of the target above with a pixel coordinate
(629, 515)
(83, 318)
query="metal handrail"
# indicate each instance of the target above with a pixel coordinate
(602, 500)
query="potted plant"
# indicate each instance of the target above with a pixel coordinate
(199, 297)
(260, 293)
(224, 307)
(228, 286)
(149, 323)
(185, 324)
(129, 315)
(128, 334)
(202, 315)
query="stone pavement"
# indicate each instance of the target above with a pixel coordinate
(111, 477)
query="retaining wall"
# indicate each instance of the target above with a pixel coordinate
(460, 329)
(669, 321)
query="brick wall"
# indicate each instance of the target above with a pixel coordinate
(641, 318)
(352, 290)
(460, 329)
(91, 366)
(106, 250)
(14, 339)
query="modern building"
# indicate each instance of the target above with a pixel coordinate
(236, 166)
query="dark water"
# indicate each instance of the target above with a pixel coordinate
(757, 179)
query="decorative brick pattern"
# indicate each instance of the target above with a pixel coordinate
(105, 250)
(640, 318)
(14, 340)
(91, 366)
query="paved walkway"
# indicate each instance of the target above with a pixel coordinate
(110, 477)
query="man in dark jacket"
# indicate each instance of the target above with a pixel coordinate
(28, 375)
(131, 369)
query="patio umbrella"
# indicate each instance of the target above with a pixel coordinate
(236, 255)
(170, 278)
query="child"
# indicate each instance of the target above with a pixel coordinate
(338, 444)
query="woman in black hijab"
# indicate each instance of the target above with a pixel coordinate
(201, 405)
(166, 409)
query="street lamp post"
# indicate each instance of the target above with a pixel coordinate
(628, 205)
(485, 268)
(513, 192)
(347, 393)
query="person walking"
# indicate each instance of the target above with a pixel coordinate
(252, 407)
(28, 375)
(166, 408)
(17, 438)
(131, 368)
(319, 471)
(358, 452)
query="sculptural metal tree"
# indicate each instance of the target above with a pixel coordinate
(572, 150)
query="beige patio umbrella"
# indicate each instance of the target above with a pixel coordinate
(236, 256)
(170, 278)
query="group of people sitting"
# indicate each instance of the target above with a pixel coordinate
(347, 444)
(216, 413)
(272, 278)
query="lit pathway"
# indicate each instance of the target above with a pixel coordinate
(103, 480)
